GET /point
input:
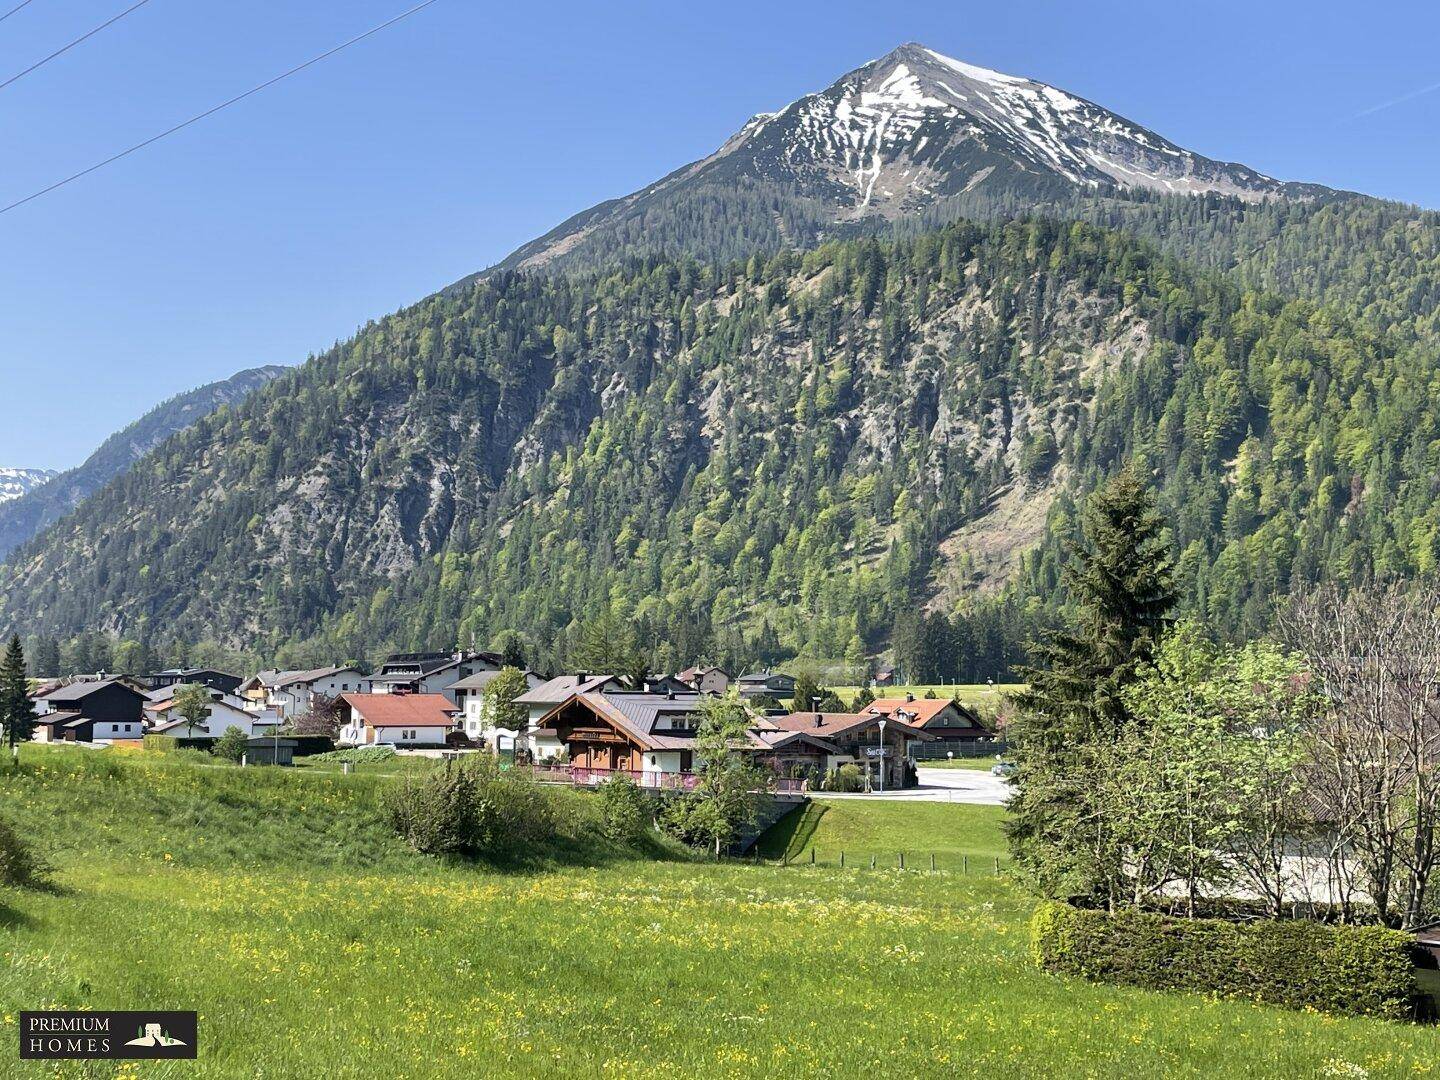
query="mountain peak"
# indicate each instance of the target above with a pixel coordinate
(911, 133)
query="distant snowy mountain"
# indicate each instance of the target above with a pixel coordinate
(903, 135)
(17, 482)
(24, 513)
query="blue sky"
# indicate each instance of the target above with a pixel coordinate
(433, 149)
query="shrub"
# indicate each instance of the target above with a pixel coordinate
(512, 816)
(18, 864)
(847, 777)
(689, 818)
(1345, 970)
(168, 744)
(471, 807)
(231, 746)
(357, 755)
(437, 814)
(624, 810)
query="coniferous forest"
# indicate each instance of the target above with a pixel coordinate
(877, 444)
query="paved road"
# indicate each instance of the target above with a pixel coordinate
(942, 785)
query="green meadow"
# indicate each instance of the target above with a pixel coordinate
(976, 695)
(276, 903)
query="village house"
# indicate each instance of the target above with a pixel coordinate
(211, 677)
(291, 693)
(430, 672)
(539, 739)
(652, 737)
(877, 743)
(226, 711)
(90, 710)
(705, 680)
(942, 718)
(775, 684)
(610, 730)
(474, 708)
(401, 720)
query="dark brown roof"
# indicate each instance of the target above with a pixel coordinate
(829, 725)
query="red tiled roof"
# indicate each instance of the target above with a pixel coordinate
(921, 710)
(402, 710)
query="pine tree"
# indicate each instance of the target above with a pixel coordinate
(17, 714)
(1119, 581)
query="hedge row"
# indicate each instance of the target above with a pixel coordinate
(169, 743)
(1345, 970)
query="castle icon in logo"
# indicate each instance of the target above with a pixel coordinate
(154, 1036)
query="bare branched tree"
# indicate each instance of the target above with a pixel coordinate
(1374, 656)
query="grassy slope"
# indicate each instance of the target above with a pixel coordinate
(976, 695)
(885, 829)
(315, 946)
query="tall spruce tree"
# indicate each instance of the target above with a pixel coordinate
(17, 713)
(1119, 583)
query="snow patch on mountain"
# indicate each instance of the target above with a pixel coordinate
(17, 482)
(917, 122)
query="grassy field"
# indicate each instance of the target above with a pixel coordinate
(313, 945)
(956, 834)
(976, 695)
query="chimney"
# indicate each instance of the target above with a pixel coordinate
(819, 719)
(581, 676)
(669, 695)
(909, 697)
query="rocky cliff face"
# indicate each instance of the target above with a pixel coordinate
(27, 512)
(510, 455)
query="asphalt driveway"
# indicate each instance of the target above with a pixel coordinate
(942, 785)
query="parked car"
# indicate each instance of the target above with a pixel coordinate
(1003, 769)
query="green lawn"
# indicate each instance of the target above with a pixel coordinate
(314, 945)
(959, 836)
(976, 695)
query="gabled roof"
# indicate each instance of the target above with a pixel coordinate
(690, 674)
(764, 677)
(301, 678)
(402, 710)
(563, 688)
(59, 716)
(779, 739)
(224, 702)
(83, 689)
(407, 667)
(920, 711)
(482, 679)
(643, 718)
(830, 725)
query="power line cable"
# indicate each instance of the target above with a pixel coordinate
(215, 109)
(66, 48)
(17, 7)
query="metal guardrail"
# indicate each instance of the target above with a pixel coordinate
(967, 749)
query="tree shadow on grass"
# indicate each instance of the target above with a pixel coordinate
(789, 836)
(15, 919)
(582, 852)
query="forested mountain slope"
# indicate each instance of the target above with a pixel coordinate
(915, 140)
(23, 517)
(758, 460)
